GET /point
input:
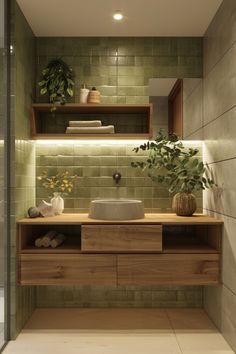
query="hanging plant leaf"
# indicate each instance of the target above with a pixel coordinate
(43, 91)
(57, 82)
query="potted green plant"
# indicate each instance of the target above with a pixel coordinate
(170, 163)
(57, 82)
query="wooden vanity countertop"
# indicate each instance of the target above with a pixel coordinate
(162, 219)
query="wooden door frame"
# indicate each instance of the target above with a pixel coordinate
(177, 88)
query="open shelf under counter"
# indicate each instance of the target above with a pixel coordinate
(28, 233)
(131, 121)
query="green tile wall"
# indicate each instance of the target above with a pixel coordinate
(121, 67)
(95, 165)
(119, 296)
(2, 92)
(22, 155)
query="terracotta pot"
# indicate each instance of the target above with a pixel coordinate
(184, 204)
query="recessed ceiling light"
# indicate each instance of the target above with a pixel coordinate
(117, 16)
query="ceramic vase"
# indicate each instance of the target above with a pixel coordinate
(83, 97)
(57, 203)
(184, 204)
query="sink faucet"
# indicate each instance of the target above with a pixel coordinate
(117, 176)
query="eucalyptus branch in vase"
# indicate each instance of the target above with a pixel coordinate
(177, 167)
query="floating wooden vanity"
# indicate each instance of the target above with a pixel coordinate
(159, 249)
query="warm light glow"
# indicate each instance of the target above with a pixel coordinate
(91, 142)
(11, 49)
(108, 142)
(192, 141)
(118, 16)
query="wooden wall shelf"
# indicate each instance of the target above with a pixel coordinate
(160, 249)
(130, 121)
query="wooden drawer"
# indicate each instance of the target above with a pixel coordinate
(121, 238)
(55, 269)
(172, 269)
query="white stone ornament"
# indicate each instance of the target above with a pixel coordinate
(46, 209)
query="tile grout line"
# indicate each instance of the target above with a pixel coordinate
(195, 87)
(219, 116)
(195, 131)
(219, 213)
(220, 161)
(205, 74)
(173, 329)
(228, 288)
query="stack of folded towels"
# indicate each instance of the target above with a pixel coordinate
(89, 126)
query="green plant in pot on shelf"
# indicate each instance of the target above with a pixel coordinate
(177, 167)
(57, 82)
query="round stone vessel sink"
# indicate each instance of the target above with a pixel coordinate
(116, 209)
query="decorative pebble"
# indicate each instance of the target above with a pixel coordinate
(33, 212)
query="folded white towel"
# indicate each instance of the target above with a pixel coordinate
(85, 123)
(90, 130)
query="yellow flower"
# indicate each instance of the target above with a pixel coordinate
(61, 182)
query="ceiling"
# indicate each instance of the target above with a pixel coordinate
(141, 17)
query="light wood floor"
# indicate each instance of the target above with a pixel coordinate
(119, 331)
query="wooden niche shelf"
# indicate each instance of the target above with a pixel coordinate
(131, 121)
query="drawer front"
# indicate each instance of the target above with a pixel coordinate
(121, 238)
(64, 269)
(171, 269)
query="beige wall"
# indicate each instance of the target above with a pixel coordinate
(193, 109)
(213, 117)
